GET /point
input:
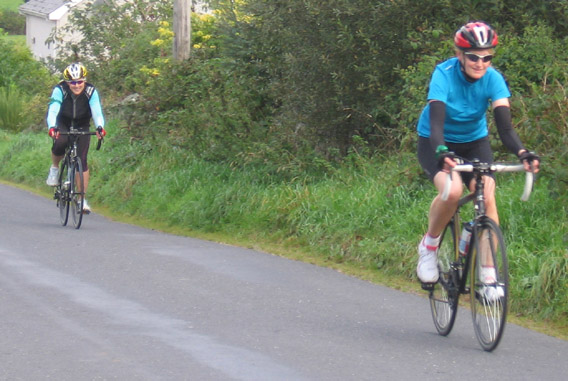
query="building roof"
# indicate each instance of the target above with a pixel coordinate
(41, 8)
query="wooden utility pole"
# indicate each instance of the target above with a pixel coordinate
(182, 29)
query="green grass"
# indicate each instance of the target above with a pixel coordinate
(364, 219)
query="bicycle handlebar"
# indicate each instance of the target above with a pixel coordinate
(81, 133)
(498, 167)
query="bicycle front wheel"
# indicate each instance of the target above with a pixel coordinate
(77, 194)
(444, 295)
(63, 193)
(489, 283)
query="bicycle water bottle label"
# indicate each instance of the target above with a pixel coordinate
(464, 241)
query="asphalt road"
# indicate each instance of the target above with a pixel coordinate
(117, 302)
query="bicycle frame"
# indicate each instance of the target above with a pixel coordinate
(69, 190)
(462, 264)
(478, 198)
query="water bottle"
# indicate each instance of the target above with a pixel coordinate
(464, 238)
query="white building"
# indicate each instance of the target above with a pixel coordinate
(43, 17)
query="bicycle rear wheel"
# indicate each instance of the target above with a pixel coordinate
(445, 293)
(489, 294)
(62, 193)
(77, 194)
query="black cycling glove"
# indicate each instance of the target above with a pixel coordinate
(528, 156)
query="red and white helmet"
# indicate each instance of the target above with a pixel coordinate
(476, 35)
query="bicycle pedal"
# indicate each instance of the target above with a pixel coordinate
(427, 286)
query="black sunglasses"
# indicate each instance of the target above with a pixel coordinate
(80, 82)
(476, 57)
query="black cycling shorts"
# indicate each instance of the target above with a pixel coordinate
(478, 149)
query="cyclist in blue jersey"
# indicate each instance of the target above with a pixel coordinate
(454, 122)
(74, 102)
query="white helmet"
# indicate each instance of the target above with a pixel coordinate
(75, 71)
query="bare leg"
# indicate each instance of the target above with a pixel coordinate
(490, 202)
(86, 181)
(440, 214)
(55, 160)
(442, 211)
(490, 211)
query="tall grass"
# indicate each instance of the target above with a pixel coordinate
(371, 212)
(537, 238)
(12, 109)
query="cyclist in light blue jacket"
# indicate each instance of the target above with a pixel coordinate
(74, 102)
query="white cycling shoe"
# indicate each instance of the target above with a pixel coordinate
(427, 269)
(53, 177)
(491, 290)
(86, 207)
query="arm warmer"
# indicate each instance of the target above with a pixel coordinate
(54, 107)
(437, 117)
(505, 129)
(96, 109)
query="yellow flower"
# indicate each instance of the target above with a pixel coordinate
(165, 32)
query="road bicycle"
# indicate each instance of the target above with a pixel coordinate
(69, 190)
(464, 265)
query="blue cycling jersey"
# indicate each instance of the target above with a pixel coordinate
(466, 102)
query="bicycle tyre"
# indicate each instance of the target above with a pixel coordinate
(63, 193)
(444, 295)
(489, 302)
(77, 194)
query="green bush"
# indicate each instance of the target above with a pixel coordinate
(12, 22)
(25, 87)
(21, 69)
(533, 57)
